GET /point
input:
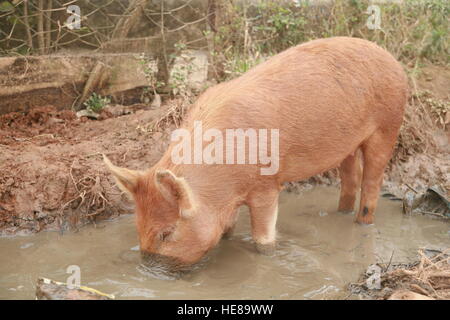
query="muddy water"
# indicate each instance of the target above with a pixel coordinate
(319, 252)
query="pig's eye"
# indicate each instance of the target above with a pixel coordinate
(165, 235)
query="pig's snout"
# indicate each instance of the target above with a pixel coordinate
(161, 266)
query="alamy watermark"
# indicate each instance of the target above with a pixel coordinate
(74, 280)
(374, 19)
(373, 22)
(229, 146)
(373, 282)
(74, 20)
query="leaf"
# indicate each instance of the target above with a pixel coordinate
(6, 6)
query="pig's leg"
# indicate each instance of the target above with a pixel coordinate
(263, 213)
(229, 230)
(350, 172)
(377, 151)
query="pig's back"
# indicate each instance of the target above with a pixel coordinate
(336, 76)
(325, 96)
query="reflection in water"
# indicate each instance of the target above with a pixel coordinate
(319, 251)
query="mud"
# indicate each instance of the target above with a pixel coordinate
(435, 79)
(319, 252)
(51, 171)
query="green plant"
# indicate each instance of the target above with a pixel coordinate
(438, 108)
(179, 79)
(96, 103)
(413, 31)
(238, 66)
(149, 68)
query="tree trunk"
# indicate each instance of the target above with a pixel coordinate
(27, 25)
(130, 18)
(48, 25)
(123, 27)
(40, 27)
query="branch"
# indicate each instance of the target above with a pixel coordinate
(40, 27)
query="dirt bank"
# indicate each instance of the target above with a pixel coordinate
(52, 175)
(421, 158)
(51, 172)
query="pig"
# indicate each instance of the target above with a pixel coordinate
(337, 103)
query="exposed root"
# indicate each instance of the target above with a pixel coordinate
(416, 134)
(88, 202)
(429, 277)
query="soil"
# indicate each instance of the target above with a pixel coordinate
(51, 170)
(52, 175)
(435, 79)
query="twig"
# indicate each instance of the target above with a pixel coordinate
(411, 188)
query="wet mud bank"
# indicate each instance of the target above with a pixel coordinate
(51, 171)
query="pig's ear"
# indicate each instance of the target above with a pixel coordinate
(176, 191)
(126, 179)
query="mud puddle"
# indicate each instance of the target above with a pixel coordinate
(319, 253)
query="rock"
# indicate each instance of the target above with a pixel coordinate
(408, 202)
(190, 70)
(156, 103)
(47, 289)
(433, 202)
(88, 113)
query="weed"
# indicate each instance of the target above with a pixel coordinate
(96, 103)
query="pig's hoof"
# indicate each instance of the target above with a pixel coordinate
(364, 220)
(267, 249)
